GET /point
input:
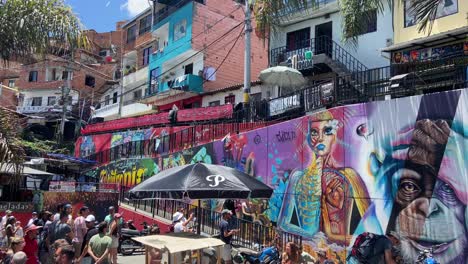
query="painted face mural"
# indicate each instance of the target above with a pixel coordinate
(317, 199)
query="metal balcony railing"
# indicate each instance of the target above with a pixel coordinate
(251, 234)
(322, 45)
(310, 4)
(169, 9)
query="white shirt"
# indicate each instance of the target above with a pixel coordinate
(179, 228)
(31, 221)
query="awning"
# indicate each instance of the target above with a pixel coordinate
(184, 115)
(26, 171)
(423, 42)
(72, 159)
(179, 242)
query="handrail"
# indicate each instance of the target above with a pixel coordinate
(320, 45)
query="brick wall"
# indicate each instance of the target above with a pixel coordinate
(8, 98)
(232, 71)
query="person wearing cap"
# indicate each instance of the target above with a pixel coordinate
(80, 229)
(5, 217)
(179, 222)
(226, 235)
(33, 218)
(84, 257)
(18, 229)
(31, 247)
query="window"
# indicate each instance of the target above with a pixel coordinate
(131, 34)
(107, 99)
(33, 76)
(103, 53)
(67, 75)
(146, 55)
(214, 103)
(145, 25)
(256, 97)
(154, 81)
(11, 83)
(51, 100)
(369, 24)
(36, 101)
(114, 98)
(90, 81)
(298, 39)
(230, 99)
(188, 69)
(137, 95)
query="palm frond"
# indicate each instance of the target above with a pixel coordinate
(34, 26)
(426, 12)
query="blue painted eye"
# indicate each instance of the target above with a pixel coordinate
(328, 130)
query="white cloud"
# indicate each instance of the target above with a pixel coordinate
(134, 7)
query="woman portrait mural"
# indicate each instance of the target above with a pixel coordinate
(320, 198)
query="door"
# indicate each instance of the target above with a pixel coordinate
(323, 38)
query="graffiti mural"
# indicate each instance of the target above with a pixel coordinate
(127, 172)
(395, 165)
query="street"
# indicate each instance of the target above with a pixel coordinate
(138, 257)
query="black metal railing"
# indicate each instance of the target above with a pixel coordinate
(169, 9)
(310, 4)
(300, 50)
(251, 234)
(184, 139)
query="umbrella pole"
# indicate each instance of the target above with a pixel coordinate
(199, 217)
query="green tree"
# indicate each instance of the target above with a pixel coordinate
(356, 13)
(11, 152)
(37, 27)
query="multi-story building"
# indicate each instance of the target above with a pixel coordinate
(9, 74)
(311, 40)
(198, 48)
(446, 38)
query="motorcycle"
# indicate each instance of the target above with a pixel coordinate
(427, 255)
(268, 255)
(127, 246)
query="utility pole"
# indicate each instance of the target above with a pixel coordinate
(247, 60)
(65, 94)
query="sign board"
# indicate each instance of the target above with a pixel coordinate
(17, 207)
(108, 187)
(282, 105)
(62, 186)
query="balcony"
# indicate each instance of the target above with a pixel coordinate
(170, 8)
(312, 9)
(182, 87)
(107, 110)
(135, 77)
(309, 52)
(40, 109)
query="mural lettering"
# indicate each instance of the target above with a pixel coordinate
(284, 136)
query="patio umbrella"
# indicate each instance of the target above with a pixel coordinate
(201, 181)
(283, 76)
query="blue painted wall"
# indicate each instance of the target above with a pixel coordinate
(174, 48)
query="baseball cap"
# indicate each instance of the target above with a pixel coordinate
(67, 206)
(34, 213)
(32, 227)
(8, 212)
(226, 211)
(177, 216)
(90, 218)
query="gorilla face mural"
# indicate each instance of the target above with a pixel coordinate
(428, 208)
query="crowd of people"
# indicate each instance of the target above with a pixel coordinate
(59, 238)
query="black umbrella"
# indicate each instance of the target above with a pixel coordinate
(201, 181)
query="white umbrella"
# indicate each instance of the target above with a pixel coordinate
(282, 76)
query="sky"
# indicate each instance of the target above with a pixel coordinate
(102, 15)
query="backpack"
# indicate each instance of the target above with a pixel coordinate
(363, 247)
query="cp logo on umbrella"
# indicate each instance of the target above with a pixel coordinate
(216, 178)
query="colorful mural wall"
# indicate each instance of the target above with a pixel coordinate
(396, 165)
(98, 202)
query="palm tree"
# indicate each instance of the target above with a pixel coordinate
(355, 13)
(11, 152)
(37, 27)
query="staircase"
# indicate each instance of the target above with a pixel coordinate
(324, 51)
